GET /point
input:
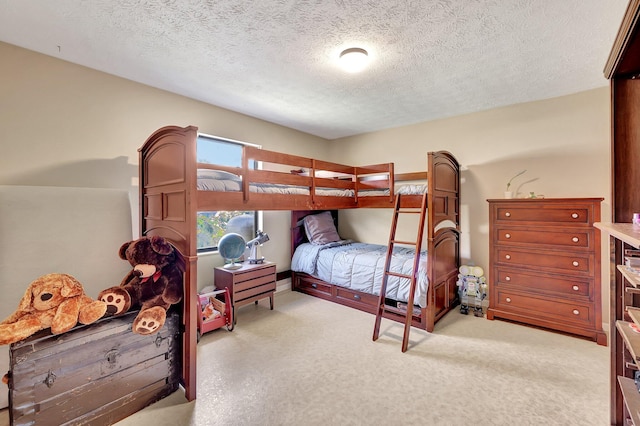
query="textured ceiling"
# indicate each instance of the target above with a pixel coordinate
(277, 59)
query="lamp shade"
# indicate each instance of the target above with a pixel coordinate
(354, 59)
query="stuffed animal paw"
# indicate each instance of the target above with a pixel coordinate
(117, 300)
(149, 320)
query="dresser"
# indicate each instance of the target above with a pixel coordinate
(249, 283)
(544, 264)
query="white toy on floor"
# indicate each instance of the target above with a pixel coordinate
(472, 288)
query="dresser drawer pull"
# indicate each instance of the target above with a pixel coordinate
(575, 263)
(576, 312)
(507, 214)
(507, 278)
(508, 299)
(575, 239)
(507, 236)
(575, 287)
(508, 257)
(574, 215)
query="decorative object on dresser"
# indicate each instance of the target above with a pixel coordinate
(545, 264)
(96, 374)
(249, 283)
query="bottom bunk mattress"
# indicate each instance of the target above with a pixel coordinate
(359, 266)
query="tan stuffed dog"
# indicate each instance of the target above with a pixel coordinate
(55, 301)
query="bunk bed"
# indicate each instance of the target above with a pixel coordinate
(175, 184)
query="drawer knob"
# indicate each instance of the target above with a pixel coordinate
(575, 239)
(507, 235)
(508, 257)
(507, 214)
(574, 215)
(575, 287)
(356, 296)
(576, 312)
(508, 299)
(575, 263)
(314, 285)
(507, 278)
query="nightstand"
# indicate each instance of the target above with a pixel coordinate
(249, 283)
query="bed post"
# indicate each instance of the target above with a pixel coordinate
(168, 205)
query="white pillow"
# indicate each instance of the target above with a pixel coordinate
(320, 228)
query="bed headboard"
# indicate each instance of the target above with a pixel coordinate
(298, 235)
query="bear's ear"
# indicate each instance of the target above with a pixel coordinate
(123, 250)
(70, 286)
(160, 245)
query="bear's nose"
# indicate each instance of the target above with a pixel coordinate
(46, 296)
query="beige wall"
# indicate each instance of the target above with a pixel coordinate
(563, 143)
(67, 125)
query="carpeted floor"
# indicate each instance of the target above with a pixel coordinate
(312, 362)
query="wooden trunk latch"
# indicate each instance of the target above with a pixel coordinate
(50, 379)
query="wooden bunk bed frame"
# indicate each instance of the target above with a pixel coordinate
(170, 200)
(442, 245)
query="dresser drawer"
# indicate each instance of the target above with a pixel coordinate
(553, 261)
(542, 283)
(553, 309)
(544, 213)
(579, 238)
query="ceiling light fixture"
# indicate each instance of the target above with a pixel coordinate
(354, 59)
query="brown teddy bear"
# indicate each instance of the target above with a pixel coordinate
(153, 285)
(55, 301)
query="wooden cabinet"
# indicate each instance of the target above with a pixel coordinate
(249, 283)
(623, 70)
(545, 264)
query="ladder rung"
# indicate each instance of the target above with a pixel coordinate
(411, 243)
(396, 274)
(410, 211)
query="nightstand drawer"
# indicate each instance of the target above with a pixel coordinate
(264, 285)
(255, 274)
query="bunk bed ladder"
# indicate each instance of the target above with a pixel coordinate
(382, 306)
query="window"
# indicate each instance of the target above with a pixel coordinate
(213, 225)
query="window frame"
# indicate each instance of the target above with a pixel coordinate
(257, 214)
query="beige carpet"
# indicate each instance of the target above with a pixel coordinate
(312, 362)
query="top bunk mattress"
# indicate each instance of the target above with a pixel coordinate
(221, 181)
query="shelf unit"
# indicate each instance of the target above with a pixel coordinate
(623, 70)
(624, 341)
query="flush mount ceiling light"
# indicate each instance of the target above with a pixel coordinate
(354, 59)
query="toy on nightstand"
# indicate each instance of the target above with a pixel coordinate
(213, 312)
(472, 288)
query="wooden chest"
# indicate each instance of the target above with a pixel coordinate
(96, 374)
(545, 264)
